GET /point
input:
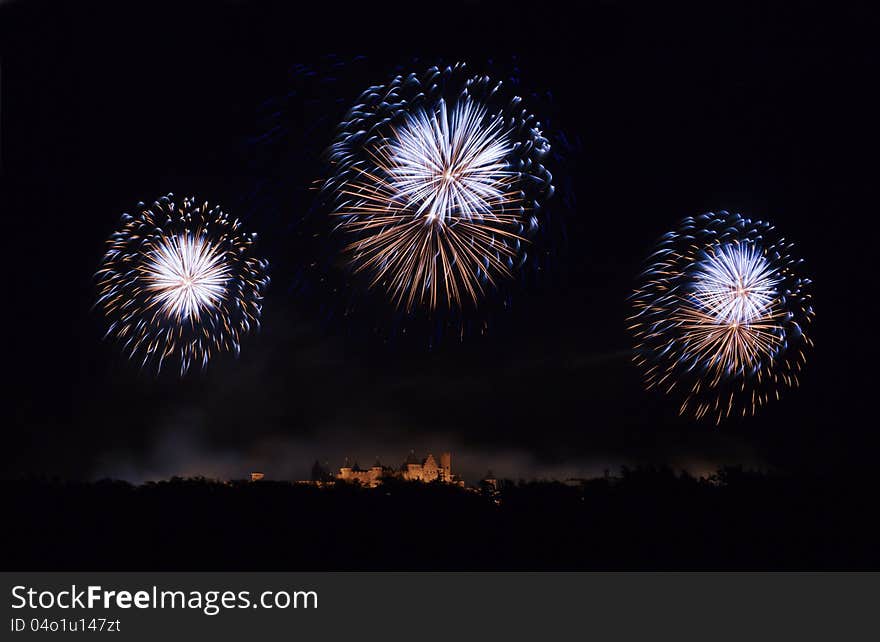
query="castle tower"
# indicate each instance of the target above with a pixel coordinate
(412, 467)
(345, 472)
(446, 466)
(430, 471)
(376, 473)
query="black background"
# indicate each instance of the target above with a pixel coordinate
(751, 107)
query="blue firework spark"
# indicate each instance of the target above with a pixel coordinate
(722, 315)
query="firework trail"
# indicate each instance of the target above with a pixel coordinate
(722, 315)
(180, 281)
(437, 183)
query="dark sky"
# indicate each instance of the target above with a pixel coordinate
(767, 111)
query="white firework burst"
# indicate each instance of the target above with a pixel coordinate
(437, 181)
(445, 165)
(722, 316)
(735, 284)
(730, 317)
(180, 281)
(187, 275)
(436, 210)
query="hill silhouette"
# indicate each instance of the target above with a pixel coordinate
(643, 519)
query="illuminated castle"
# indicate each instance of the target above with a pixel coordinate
(413, 469)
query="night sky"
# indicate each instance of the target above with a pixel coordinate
(667, 113)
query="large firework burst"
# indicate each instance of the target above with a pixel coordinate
(180, 281)
(437, 180)
(722, 315)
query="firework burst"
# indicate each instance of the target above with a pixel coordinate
(722, 316)
(180, 281)
(436, 185)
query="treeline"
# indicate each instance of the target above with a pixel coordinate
(643, 519)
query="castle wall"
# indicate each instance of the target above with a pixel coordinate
(365, 477)
(428, 471)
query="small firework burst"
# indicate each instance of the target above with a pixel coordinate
(722, 316)
(437, 181)
(180, 281)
